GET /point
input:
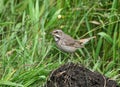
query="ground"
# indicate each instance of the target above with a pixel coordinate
(75, 75)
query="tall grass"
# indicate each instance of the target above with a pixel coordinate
(28, 52)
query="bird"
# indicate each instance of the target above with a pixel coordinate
(66, 43)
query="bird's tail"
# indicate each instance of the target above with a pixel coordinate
(84, 41)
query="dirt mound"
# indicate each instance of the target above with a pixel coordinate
(74, 75)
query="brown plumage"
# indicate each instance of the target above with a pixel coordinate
(67, 43)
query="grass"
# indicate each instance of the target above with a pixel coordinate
(28, 52)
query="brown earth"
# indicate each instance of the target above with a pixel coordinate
(75, 75)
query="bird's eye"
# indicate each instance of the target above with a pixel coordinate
(56, 31)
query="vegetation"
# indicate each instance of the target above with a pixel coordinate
(28, 52)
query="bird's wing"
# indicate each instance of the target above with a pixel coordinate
(69, 41)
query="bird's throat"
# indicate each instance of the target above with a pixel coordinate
(56, 38)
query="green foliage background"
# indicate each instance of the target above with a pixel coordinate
(28, 52)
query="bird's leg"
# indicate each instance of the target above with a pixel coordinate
(71, 55)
